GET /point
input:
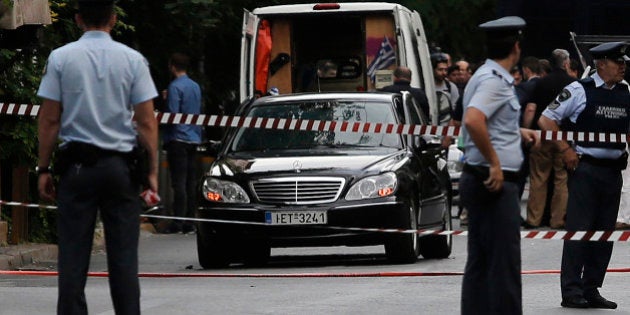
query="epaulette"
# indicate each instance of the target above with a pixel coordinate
(495, 72)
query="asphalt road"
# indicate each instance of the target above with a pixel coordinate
(295, 283)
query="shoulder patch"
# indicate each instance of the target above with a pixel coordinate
(564, 95)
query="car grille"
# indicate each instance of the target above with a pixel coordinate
(298, 190)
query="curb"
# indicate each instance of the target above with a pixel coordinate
(14, 257)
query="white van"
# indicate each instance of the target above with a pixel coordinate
(329, 47)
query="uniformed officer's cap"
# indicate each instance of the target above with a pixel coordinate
(505, 28)
(614, 51)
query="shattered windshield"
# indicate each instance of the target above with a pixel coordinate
(258, 139)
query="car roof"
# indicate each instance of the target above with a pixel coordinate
(346, 96)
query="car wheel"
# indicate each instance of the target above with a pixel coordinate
(257, 253)
(439, 246)
(213, 249)
(404, 247)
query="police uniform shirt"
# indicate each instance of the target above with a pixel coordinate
(97, 80)
(491, 90)
(569, 104)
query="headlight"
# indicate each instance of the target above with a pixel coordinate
(373, 187)
(223, 191)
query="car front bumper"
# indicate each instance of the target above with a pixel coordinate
(383, 214)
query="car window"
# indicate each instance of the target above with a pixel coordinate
(256, 139)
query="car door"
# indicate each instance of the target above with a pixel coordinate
(428, 156)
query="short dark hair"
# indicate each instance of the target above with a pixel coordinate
(95, 15)
(452, 69)
(438, 57)
(180, 61)
(500, 48)
(531, 63)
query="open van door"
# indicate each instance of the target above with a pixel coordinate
(426, 81)
(248, 50)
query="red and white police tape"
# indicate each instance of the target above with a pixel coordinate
(325, 125)
(595, 236)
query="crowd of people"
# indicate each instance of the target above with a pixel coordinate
(583, 186)
(537, 82)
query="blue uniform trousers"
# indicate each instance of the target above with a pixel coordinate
(82, 191)
(594, 194)
(492, 277)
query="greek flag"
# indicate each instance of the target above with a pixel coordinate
(385, 57)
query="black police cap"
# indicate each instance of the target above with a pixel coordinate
(612, 50)
(505, 27)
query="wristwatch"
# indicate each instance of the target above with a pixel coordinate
(42, 170)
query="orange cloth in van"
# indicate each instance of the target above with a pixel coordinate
(263, 56)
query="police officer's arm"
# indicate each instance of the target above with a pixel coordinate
(147, 132)
(569, 156)
(477, 127)
(48, 126)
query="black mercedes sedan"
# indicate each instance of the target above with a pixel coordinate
(296, 187)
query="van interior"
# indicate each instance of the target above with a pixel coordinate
(325, 53)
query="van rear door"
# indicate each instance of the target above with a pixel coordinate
(248, 51)
(421, 50)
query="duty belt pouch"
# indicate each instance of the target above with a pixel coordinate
(75, 153)
(139, 165)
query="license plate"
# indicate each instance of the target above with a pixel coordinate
(296, 217)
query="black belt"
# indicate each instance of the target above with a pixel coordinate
(483, 172)
(619, 163)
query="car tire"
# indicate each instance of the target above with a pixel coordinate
(257, 253)
(213, 249)
(439, 246)
(404, 248)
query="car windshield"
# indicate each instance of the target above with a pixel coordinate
(258, 139)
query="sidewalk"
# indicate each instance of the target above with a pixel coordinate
(14, 257)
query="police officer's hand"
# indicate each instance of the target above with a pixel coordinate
(531, 138)
(46, 187)
(570, 159)
(153, 182)
(494, 182)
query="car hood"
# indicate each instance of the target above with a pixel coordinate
(380, 160)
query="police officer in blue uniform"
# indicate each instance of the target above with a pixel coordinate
(601, 104)
(489, 186)
(93, 90)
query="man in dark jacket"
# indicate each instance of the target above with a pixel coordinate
(402, 82)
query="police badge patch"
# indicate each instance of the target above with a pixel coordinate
(564, 95)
